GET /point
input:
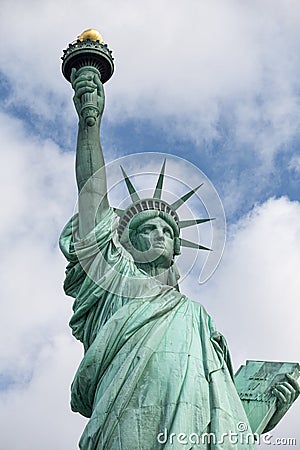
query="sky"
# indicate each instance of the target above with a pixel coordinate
(215, 83)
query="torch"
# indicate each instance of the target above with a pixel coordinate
(90, 55)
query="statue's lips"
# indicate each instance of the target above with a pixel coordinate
(159, 245)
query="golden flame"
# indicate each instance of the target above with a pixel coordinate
(91, 34)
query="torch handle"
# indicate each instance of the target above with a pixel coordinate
(89, 101)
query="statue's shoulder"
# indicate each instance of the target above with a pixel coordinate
(198, 306)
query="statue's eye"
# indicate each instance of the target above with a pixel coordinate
(168, 232)
(146, 230)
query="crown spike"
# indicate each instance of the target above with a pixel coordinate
(160, 181)
(190, 223)
(184, 198)
(189, 244)
(133, 194)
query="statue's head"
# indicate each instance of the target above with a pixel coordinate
(149, 228)
(154, 238)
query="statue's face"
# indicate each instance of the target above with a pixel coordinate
(157, 238)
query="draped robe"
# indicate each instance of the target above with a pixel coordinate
(155, 373)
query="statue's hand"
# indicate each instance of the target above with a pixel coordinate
(286, 393)
(87, 85)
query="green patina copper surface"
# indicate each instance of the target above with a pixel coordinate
(155, 371)
(153, 360)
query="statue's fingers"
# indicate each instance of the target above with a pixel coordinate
(85, 75)
(285, 392)
(84, 90)
(294, 383)
(85, 83)
(82, 80)
(288, 385)
(279, 395)
(100, 88)
(292, 390)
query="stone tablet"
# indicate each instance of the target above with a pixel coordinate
(254, 382)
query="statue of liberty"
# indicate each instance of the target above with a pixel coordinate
(154, 366)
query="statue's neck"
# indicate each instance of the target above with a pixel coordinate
(168, 276)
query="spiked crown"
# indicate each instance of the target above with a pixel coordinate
(156, 203)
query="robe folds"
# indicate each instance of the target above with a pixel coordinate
(155, 374)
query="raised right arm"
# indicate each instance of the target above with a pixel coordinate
(90, 165)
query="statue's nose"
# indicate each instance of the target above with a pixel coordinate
(158, 234)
